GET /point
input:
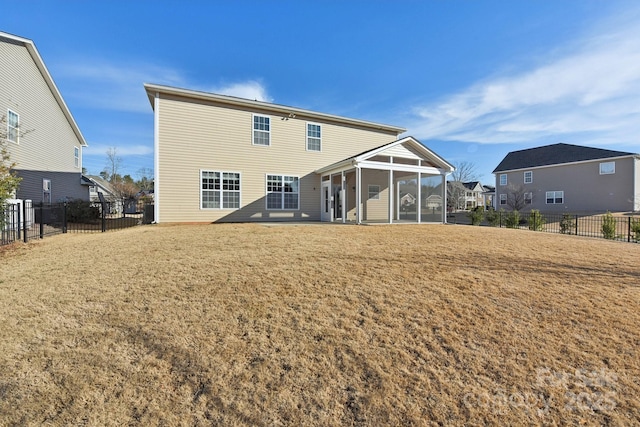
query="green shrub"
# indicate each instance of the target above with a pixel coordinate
(476, 214)
(635, 229)
(608, 226)
(512, 220)
(81, 211)
(493, 217)
(536, 220)
(567, 224)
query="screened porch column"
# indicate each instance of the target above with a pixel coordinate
(444, 199)
(391, 193)
(343, 197)
(419, 205)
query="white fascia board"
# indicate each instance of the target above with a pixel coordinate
(266, 106)
(35, 55)
(401, 167)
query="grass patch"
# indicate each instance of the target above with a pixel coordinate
(253, 325)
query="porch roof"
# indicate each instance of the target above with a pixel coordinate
(406, 148)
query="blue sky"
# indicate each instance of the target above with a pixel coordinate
(472, 80)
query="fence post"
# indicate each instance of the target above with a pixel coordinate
(18, 228)
(500, 218)
(104, 218)
(64, 217)
(42, 220)
(576, 225)
(629, 230)
(24, 223)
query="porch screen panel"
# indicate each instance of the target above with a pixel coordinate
(431, 192)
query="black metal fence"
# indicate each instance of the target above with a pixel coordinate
(622, 227)
(24, 220)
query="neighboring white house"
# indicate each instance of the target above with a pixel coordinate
(222, 158)
(43, 138)
(569, 178)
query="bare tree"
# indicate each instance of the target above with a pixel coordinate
(145, 179)
(465, 172)
(114, 162)
(515, 197)
(455, 195)
(123, 186)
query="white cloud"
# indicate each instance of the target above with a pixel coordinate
(104, 85)
(251, 89)
(100, 84)
(589, 94)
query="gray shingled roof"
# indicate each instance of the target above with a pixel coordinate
(554, 154)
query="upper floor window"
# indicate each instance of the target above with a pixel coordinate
(528, 177)
(261, 130)
(314, 137)
(13, 124)
(503, 179)
(219, 190)
(555, 197)
(607, 168)
(76, 156)
(283, 192)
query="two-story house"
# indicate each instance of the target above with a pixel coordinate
(222, 158)
(42, 137)
(569, 178)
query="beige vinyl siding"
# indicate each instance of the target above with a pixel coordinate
(49, 145)
(196, 135)
(375, 209)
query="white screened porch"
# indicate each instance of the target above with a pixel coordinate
(400, 182)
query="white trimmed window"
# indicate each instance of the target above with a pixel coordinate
(261, 130)
(528, 198)
(607, 168)
(13, 124)
(503, 199)
(555, 197)
(314, 137)
(219, 190)
(283, 192)
(503, 179)
(528, 177)
(76, 156)
(374, 192)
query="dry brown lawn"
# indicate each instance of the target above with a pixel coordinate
(246, 324)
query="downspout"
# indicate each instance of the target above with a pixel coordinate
(358, 195)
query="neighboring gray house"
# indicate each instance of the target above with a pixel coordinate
(43, 139)
(569, 178)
